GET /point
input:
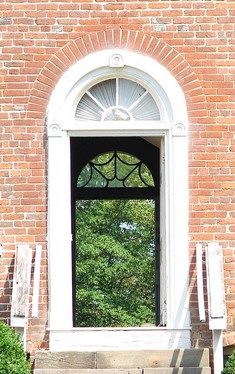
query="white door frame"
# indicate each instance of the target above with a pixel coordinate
(171, 132)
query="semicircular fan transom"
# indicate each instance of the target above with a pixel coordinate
(117, 99)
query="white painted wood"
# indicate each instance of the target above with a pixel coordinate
(120, 131)
(200, 292)
(59, 233)
(177, 258)
(21, 285)
(171, 133)
(84, 126)
(95, 67)
(216, 301)
(164, 223)
(218, 351)
(90, 340)
(36, 281)
(21, 331)
(215, 284)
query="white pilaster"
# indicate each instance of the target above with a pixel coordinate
(59, 232)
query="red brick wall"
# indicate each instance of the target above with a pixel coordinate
(194, 40)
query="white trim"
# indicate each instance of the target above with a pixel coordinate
(119, 132)
(115, 126)
(36, 281)
(96, 339)
(215, 286)
(171, 133)
(59, 232)
(218, 356)
(94, 67)
(200, 291)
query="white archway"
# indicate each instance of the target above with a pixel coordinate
(170, 133)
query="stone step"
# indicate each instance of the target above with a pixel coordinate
(88, 371)
(176, 358)
(180, 370)
(153, 359)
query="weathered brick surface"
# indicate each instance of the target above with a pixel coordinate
(40, 40)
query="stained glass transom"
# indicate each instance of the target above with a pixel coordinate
(117, 99)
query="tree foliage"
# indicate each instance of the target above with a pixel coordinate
(12, 356)
(230, 364)
(115, 262)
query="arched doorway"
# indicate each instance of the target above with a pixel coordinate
(135, 97)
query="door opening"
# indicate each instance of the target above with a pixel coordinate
(115, 205)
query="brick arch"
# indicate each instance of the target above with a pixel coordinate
(133, 41)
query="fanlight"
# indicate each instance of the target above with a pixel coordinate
(117, 99)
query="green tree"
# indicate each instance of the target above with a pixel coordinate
(115, 262)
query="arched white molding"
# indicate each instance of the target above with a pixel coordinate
(95, 67)
(171, 134)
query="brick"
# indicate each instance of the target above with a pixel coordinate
(40, 41)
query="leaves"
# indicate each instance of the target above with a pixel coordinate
(230, 364)
(115, 261)
(115, 170)
(12, 356)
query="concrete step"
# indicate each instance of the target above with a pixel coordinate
(188, 370)
(176, 358)
(88, 371)
(185, 370)
(153, 359)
